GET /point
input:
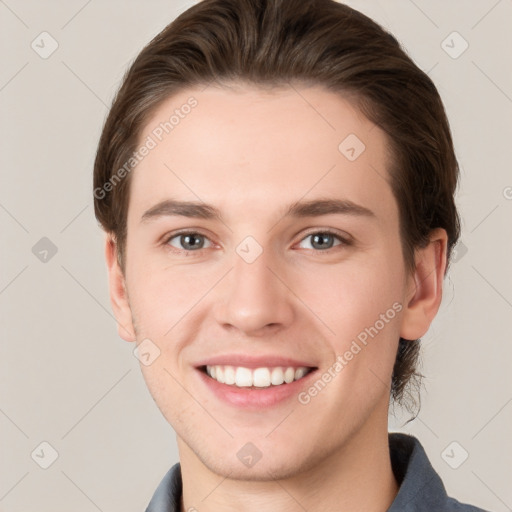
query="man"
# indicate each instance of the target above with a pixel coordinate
(276, 180)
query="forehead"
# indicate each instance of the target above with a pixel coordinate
(251, 150)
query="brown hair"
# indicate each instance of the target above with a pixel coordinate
(273, 43)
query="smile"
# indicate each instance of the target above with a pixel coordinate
(263, 377)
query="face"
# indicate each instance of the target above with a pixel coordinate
(295, 262)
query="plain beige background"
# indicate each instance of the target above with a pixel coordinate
(66, 377)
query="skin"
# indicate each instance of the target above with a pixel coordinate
(251, 152)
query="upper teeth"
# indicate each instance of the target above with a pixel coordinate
(259, 377)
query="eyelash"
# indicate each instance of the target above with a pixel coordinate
(345, 242)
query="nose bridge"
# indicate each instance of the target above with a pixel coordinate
(253, 297)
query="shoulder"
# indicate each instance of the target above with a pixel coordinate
(167, 496)
(456, 506)
(421, 488)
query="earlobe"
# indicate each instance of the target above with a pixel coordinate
(117, 291)
(425, 288)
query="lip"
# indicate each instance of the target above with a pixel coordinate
(256, 399)
(246, 361)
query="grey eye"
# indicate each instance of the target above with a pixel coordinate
(188, 241)
(322, 240)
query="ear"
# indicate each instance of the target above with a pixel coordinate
(425, 287)
(118, 295)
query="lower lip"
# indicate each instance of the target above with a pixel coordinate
(255, 398)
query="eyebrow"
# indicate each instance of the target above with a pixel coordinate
(298, 209)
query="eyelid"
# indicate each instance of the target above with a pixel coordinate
(341, 235)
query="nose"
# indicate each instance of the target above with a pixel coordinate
(255, 297)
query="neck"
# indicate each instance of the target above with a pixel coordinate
(357, 476)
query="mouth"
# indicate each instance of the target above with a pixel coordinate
(256, 378)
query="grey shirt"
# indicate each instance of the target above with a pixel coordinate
(421, 489)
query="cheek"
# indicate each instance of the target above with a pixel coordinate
(161, 297)
(361, 305)
(349, 298)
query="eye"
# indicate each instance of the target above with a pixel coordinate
(323, 241)
(192, 241)
(188, 241)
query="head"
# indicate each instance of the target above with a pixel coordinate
(250, 106)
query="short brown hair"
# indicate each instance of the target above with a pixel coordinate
(273, 43)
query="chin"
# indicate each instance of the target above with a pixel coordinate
(262, 471)
(267, 464)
